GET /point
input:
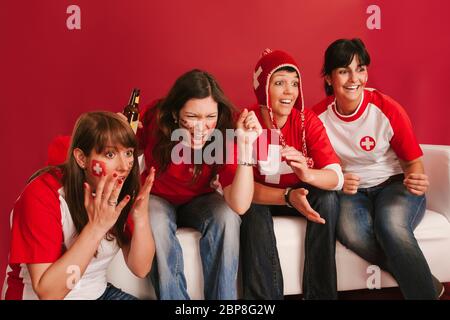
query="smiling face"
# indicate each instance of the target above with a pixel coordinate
(199, 117)
(348, 85)
(283, 92)
(113, 159)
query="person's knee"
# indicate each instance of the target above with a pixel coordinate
(256, 215)
(225, 217)
(328, 205)
(162, 215)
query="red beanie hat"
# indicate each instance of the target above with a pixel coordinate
(270, 62)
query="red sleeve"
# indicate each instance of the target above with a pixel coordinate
(57, 150)
(227, 171)
(317, 142)
(36, 235)
(403, 142)
(147, 117)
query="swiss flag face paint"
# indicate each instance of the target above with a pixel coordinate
(98, 168)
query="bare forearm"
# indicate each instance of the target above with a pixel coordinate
(323, 179)
(268, 195)
(60, 278)
(142, 248)
(239, 194)
(415, 166)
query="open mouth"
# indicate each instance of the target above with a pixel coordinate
(352, 88)
(286, 101)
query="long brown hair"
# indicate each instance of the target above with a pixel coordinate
(96, 130)
(194, 84)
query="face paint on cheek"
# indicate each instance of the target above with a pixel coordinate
(98, 168)
(212, 125)
(185, 124)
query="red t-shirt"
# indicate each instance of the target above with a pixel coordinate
(274, 172)
(175, 183)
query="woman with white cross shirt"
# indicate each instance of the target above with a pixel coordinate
(296, 165)
(383, 198)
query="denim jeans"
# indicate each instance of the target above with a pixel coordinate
(219, 246)
(113, 293)
(261, 271)
(377, 223)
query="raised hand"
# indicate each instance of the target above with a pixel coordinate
(140, 206)
(297, 162)
(351, 183)
(298, 200)
(248, 125)
(124, 118)
(102, 207)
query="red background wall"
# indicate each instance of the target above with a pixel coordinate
(49, 74)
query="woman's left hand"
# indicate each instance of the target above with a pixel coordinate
(140, 206)
(297, 162)
(248, 126)
(416, 183)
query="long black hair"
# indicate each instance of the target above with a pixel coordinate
(194, 84)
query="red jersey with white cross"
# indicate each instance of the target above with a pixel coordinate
(175, 183)
(42, 229)
(370, 141)
(274, 171)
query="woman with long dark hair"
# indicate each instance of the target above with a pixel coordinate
(197, 111)
(71, 219)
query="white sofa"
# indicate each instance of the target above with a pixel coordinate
(433, 234)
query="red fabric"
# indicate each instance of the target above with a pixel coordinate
(57, 150)
(404, 141)
(317, 142)
(14, 283)
(36, 234)
(265, 67)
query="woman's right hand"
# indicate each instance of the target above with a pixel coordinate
(124, 118)
(351, 183)
(101, 206)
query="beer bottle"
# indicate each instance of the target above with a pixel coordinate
(131, 110)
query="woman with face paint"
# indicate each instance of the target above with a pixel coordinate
(383, 196)
(71, 219)
(296, 174)
(197, 111)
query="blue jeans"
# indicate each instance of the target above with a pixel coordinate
(113, 293)
(261, 271)
(377, 223)
(219, 246)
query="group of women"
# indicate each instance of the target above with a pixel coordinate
(350, 165)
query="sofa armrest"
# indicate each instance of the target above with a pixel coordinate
(436, 159)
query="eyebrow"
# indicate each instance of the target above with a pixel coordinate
(193, 113)
(283, 76)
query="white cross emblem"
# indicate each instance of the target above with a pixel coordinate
(273, 167)
(255, 77)
(367, 143)
(98, 169)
